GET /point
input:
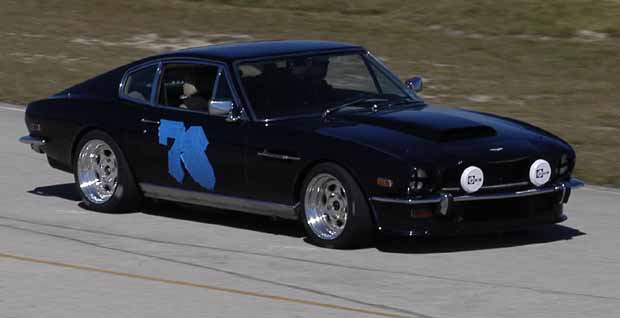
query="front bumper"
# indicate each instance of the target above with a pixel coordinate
(469, 213)
(36, 143)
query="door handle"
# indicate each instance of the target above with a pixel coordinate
(150, 122)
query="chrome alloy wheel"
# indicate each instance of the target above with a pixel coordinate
(326, 206)
(97, 171)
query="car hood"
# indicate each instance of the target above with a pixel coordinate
(431, 134)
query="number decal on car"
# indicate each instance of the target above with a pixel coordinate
(188, 150)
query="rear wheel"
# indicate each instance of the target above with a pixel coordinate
(102, 175)
(335, 212)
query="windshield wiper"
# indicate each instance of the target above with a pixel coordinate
(330, 110)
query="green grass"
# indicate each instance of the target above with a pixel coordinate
(554, 63)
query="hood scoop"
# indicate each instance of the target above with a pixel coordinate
(436, 126)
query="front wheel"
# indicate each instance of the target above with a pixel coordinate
(335, 212)
(102, 175)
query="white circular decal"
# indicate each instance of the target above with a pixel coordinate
(540, 172)
(472, 179)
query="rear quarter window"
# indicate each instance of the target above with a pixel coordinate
(139, 84)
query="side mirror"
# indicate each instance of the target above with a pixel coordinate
(220, 107)
(415, 84)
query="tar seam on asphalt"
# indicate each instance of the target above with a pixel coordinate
(215, 269)
(534, 289)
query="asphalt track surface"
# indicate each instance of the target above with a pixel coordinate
(60, 260)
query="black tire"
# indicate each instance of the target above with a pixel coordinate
(126, 196)
(359, 229)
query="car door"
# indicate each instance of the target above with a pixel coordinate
(186, 143)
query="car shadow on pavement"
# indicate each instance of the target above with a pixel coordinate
(167, 209)
(65, 191)
(233, 219)
(534, 235)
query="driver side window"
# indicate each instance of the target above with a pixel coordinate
(193, 86)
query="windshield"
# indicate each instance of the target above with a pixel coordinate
(312, 84)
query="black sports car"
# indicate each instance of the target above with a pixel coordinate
(317, 131)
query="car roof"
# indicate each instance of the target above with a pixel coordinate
(260, 49)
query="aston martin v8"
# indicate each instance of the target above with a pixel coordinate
(320, 132)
